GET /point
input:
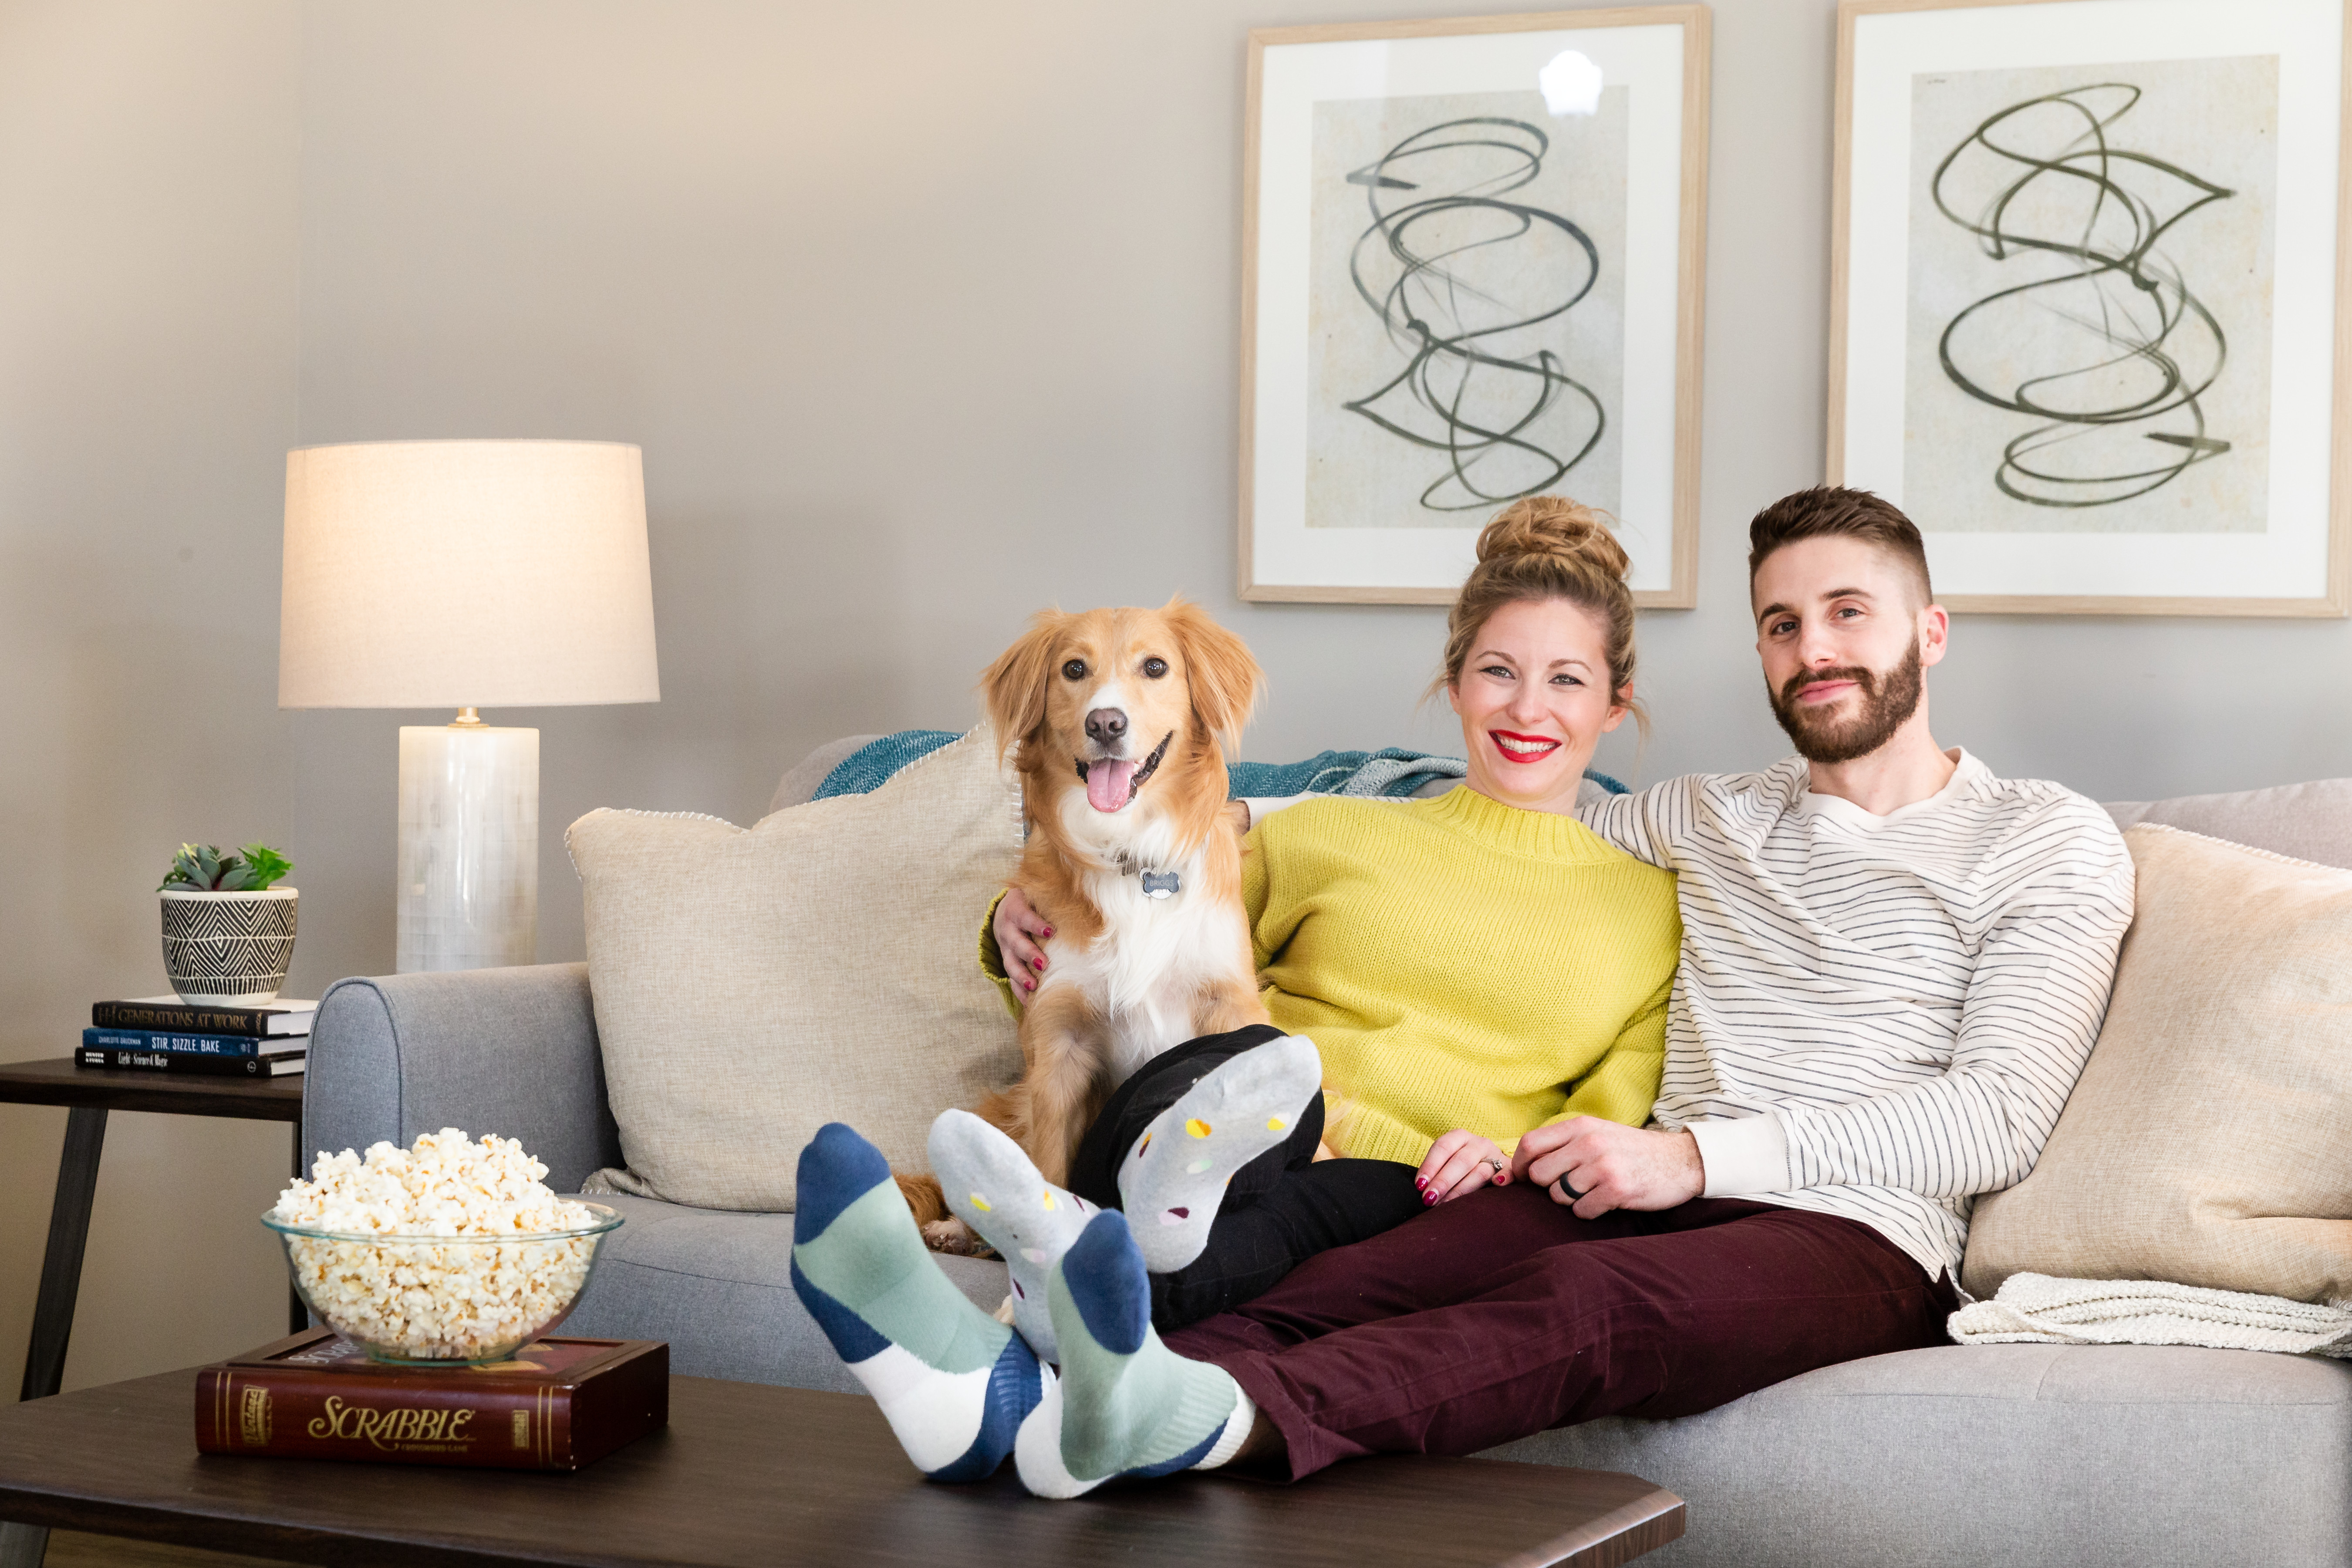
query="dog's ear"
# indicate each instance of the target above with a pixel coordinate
(1225, 680)
(1014, 687)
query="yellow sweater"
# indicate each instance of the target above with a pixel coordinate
(1460, 963)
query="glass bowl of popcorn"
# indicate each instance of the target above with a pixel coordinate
(452, 1253)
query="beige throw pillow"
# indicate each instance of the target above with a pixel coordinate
(2210, 1141)
(753, 984)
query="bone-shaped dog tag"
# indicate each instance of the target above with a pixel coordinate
(1160, 884)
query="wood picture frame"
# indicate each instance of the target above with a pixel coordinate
(1357, 532)
(2284, 548)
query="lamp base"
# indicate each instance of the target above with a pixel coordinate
(469, 847)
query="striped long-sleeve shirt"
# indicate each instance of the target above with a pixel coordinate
(1879, 1016)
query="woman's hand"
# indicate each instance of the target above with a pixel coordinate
(1460, 1164)
(1611, 1166)
(1019, 929)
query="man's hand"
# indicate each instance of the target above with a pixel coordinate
(1611, 1166)
(1019, 929)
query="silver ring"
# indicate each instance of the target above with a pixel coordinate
(1496, 1164)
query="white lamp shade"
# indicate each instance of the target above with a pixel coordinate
(465, 573)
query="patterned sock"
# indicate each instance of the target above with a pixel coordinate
(953, 1382)
(1125, 1405)
(992, 1187)
(1173, 1179)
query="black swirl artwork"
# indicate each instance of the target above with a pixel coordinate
(2111, 353)
(1452, 270)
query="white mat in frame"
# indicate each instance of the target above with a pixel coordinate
(1658, 57)
(2292, 554)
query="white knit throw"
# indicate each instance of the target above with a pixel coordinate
(2034, 1308)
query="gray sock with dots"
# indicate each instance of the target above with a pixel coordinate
(992, 1187)
(1173, 1179)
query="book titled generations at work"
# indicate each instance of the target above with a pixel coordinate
(169, 1013)
(554, 1404)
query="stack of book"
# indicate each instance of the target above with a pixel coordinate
(164, 1034)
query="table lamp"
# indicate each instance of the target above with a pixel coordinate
(466, 574)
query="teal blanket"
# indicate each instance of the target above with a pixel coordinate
(1390, 771)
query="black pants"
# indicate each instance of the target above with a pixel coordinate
(1280, 1209)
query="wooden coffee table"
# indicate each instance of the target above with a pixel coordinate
(748, 1474)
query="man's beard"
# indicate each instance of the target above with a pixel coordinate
(1886, 699)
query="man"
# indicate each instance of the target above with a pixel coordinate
(1893, 967)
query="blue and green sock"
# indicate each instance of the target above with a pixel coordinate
(954, 1384)
(1126, 1404)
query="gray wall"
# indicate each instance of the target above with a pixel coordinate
(149, 243)
(925, 316)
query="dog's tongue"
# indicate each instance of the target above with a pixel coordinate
(1106, 784)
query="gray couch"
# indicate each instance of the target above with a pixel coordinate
(2011, 1454)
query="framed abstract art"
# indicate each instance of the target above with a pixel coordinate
(2087, 279)
(1472, 269)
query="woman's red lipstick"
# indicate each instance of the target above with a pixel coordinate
(1528, 748)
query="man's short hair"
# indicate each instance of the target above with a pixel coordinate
(1835, 511)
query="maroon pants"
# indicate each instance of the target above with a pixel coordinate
(1502, 1314)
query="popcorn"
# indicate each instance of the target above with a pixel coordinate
(468, 1270)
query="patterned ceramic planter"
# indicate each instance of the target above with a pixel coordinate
(227, 950)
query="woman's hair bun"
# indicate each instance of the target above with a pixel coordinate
(1556, 527)
(1542, 548)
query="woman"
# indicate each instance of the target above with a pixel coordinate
(1470, 967)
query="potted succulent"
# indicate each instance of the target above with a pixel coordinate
(228, 928)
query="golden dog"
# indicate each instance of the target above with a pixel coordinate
(1121, 718)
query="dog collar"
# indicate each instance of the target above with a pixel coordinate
(1156, 884)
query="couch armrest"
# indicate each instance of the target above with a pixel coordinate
(510, 1051)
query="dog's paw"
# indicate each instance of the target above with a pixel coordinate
(954, 1237)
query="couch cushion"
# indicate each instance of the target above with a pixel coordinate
(2205, 1143)
(753, 984)
(717, 1286)
(2126, 1455)
(2306, 821)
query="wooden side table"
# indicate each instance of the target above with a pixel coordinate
(90, 1093)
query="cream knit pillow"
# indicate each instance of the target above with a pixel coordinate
(2210, 1140)
(753, 984)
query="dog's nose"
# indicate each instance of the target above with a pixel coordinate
(1105, 725)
